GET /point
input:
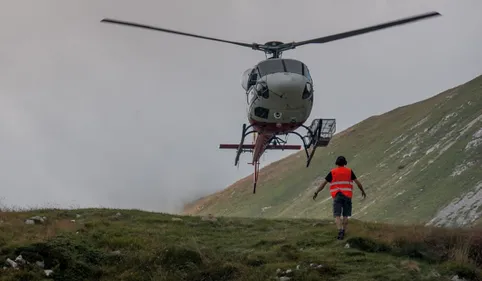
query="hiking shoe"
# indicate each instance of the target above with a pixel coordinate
(341, 234)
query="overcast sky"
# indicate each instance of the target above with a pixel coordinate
(93, 114)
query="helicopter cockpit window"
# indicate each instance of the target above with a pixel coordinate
(306, 72)
(283, 65)
(293, 66)
(270, 66)
(253, 77)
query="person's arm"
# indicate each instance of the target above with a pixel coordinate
(358, 183)
(320, 188)
(328, 179)
(360, 186)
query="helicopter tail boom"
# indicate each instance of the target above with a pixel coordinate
(261, 143)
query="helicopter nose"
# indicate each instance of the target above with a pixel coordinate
(286, 83)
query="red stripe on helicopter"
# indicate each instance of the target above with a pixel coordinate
(251, 146)
(276, 128)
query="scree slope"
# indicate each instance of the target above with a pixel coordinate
(420, 163)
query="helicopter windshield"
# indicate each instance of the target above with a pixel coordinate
(270, 66)
(282, 65)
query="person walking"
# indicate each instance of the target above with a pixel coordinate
(341, 181)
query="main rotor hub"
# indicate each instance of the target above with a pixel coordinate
(274, 48)
(273, 43)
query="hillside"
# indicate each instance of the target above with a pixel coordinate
(420, 163)
(131, 245)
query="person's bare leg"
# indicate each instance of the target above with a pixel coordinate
(339, 223)
(346, 213)
(337, 212)
(345, 222)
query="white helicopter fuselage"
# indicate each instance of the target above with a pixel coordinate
(280, 97)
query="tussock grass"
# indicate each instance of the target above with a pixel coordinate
(100, 245)
(462, 245)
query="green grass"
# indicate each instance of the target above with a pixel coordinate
(154, 246)
(388, 153)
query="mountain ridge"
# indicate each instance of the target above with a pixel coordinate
(424, 158)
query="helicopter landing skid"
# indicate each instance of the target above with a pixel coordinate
(273, 143)
(241, 147)
(319, 134)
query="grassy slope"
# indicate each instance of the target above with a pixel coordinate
(404, 158)
(153, 246)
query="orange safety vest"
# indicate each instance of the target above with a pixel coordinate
(341, 182)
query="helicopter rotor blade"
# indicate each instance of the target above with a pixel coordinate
(360, 31)
(175, 32)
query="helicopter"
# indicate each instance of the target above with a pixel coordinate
(280, 94)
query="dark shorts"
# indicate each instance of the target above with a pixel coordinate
(341, 205)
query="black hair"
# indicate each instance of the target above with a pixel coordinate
(341, 161)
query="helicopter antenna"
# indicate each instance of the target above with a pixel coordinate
(276, 48)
